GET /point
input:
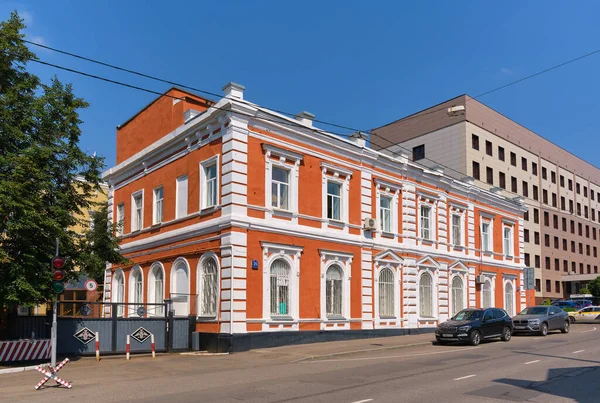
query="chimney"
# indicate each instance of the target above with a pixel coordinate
(359, 138)
(305, 117)
(234, 91)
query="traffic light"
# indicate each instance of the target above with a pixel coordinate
(58, 275)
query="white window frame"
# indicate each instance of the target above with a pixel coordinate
(341, 176)
(120, 220)
(465, 291)
(208, 256)
(461, 229)
(422, 216)
(492, 281)
(391, 191)
(204, 165)
(394, 291)
(140, 225)
(382, 213)
(158, 206)
(334, 196)
(178, 180)
(184, 264)
(344, 262)
(287, 160)
(505, 283)
(428, 265)
(118, 291)
(291, 254)
(133, 291)
(280, 185)
(388, 260)
(432, 299)
(489, 247)
(507, 243)
(154, 310)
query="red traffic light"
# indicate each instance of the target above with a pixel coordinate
(58, 262)
(58, 275)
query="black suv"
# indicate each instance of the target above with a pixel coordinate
(474, 325)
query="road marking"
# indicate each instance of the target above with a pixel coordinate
(578, 351)
(464, 377)
(532, 362)
(363, 401)
(391, 356)
(587, 331)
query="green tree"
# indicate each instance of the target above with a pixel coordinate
(594, 287)
(40, 163)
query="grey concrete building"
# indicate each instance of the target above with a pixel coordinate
(561, 190)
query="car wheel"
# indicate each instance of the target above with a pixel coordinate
(506, 334)
(543, 329)
(475, 338)
(566, 327)
(571, 319)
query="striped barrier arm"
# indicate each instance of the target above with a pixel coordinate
(24, 350)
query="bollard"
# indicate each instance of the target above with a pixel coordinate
(97, 346)
(127, 347)
(152, 344)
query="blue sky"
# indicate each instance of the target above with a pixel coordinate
(360, 64)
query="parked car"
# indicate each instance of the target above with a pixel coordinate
(590, 314)
(541, 319)
(565, 304)
(581, 303)
(474, 325)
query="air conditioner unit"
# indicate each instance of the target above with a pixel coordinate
(480, 279)
(370, 224)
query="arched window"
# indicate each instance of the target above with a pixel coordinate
(487, 294)
(156, 290)
(119, 291)
(509, 299)
(386, 293)
(333, 291)
(180, 288)
(136, 295)
(457, 295)
(208, 287)
(280, 288)
(425, 296)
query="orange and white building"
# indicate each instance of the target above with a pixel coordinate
(255, 223)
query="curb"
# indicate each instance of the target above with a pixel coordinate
(365, 350)
(20, 369)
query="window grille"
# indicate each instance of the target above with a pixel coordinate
(386, 293)
(425, 296)
(209, 288)
(280, 288)
(333, 287)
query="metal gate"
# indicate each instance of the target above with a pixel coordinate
(114, 321)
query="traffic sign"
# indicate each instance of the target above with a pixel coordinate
(85, 310)
(91, 285)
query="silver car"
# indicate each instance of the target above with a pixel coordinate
(541, 319)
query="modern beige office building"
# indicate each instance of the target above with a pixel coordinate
(467, 138)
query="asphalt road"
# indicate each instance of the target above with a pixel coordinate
(555, 368)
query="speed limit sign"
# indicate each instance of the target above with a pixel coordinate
(91, 285)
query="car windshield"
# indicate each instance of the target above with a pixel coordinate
(534, 311)
(468, 315)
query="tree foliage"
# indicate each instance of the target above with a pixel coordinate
(46, 180)
(594, 287)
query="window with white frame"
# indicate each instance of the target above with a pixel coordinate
(137, 214)
(486, 290)
(509, 298)
(209, 287)
(209, 191)
(156, 290)
(508, 240)
(181, 209)
(280, 188)
(119, 292)
(334, 200)
(486, 236)
(280, 288)
(425, 221)
(158, 205)
(385, 213)
(120, 218)
(180, 287)
(136, 290)
(334, 291)
(458, 293)
(386, 293)
(457, 237)
(426, 295)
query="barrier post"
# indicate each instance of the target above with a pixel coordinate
(127, 347)
(97, 346)
(152, 344)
